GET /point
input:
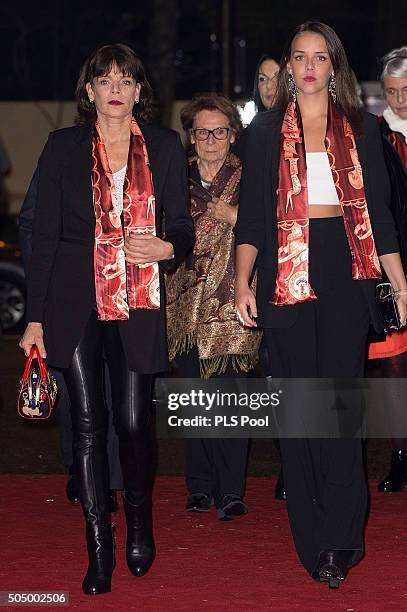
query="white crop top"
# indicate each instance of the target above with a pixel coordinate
(118, 178)
(321, 188)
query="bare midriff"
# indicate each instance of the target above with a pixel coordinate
(321, 211)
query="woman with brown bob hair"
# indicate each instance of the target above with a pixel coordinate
(96, 286)
(204, 335)
(313, 211)
(97, 65)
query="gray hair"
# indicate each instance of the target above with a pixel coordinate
(394, 63)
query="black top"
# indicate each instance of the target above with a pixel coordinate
(61, 288)
(257, 216)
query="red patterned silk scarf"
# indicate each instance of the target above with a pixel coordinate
(292, 284)
(121, 287)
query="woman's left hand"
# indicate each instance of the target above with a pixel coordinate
(218, 209)
(145, 249)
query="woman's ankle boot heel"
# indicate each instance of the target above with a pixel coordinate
(140, 546)
(100, 542)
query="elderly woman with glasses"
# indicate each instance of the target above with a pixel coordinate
(392, 351)
(203, 332)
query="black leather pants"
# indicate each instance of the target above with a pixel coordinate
(131, 400)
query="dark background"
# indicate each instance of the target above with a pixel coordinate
(44, 43)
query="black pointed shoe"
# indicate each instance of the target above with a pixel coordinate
(140, 545)
(198, 502)
(230, 506)
(332, 567)
(396, 480)
(100, 543)
(72, 489)
(279, 491)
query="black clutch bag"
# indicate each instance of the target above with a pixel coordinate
(386, 299)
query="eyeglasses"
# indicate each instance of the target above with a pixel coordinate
(220, 133)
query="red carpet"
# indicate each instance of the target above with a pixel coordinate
(202, 563)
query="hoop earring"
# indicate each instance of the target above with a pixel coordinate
(332, 86)
(292, 87)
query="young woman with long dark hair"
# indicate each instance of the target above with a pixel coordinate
(313, 213)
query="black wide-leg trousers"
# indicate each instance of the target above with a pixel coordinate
(324, 477)
(131, 401)
(215, 466)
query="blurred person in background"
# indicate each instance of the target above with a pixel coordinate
(265, 83)
(393, 350)
(264, 92)
(264, 89)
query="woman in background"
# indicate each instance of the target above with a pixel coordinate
(393, 350)
(264, 93)
(203, 333)
(265, 83)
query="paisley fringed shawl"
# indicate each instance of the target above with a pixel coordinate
(200, 293)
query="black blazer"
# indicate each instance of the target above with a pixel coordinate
(398, 180)
(257, 216)
(61, 289)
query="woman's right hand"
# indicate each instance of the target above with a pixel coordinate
(33, 335)
(245, 304)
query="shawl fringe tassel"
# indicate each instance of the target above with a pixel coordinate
(212, 365)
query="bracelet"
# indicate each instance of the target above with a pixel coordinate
(399, 291)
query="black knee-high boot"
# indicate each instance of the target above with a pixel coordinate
(94, 493)
(137, 500)
(140, 545)
(136, 446)
(100, 544)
